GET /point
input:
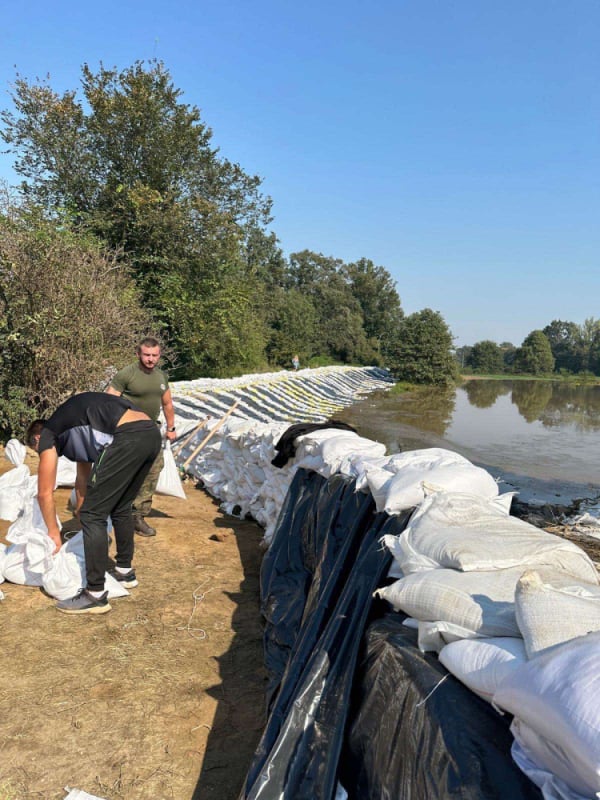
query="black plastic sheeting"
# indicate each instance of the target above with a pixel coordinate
(370, 724)
(416, 732)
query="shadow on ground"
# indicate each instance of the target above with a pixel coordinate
(240, 715)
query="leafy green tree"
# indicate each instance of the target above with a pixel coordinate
(136, 166)
(534, 357)
(379, 301)
(422, 351)
(486, 356)
(339, 331)
(566, 345)
(292, 327)
(68, 314)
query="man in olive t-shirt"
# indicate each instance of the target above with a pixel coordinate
(147, 387)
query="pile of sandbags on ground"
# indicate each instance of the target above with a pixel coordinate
(514, 613)
(29, 559)
(233, 460)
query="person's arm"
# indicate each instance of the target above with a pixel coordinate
(83, 474)
(46, 482)
(169, 412)
(112, 390)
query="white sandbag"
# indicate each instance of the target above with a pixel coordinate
(413, 472)
(557, 695)
(552, 613)
(66, 472)
(465, 532)
(481, 664)
(13, 490)
(169, 481)
(66, 574)
(26, 563)
(481, 602)
(15, 452)
(529, 751)
(434, 636)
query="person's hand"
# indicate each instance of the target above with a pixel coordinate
(171, 435)
(54, 534)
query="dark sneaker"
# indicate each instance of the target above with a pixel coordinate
(126, 579)
(84, 603)
(142, 528)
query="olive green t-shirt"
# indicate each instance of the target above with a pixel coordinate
(144, 389)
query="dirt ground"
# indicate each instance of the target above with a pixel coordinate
(160, 699)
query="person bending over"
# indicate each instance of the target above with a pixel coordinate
(114, 445)
(146, 385)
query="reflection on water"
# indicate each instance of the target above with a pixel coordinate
(543, 429)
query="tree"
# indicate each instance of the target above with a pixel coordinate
(534, 357)
(486, 356)
(68, 314)
(421, 351)
(376, 294)
(566, 345)
(135, 166)
(339, 331)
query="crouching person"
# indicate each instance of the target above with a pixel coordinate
(114, 446)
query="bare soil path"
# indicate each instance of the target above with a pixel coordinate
(160, 699)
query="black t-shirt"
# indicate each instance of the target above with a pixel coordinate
(83, 425)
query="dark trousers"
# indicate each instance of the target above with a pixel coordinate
(114, 482)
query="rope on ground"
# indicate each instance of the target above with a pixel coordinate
(198, 597)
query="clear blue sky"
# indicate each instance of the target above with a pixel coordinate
(454, 142)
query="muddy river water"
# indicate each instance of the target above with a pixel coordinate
(542, 437)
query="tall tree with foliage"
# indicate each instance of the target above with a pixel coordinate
(136, 166)
(566, 345)
(486, 357)
(534, 357)
(379, 301)
(422, 350)
(339, 331)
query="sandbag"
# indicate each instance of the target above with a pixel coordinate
(481, 602)
(465, 532)
(66, 574)
(15, 452)
(552, 613)
(481, 664)
(557, 695)
(13, 489)
(169, 481)
(407, 477)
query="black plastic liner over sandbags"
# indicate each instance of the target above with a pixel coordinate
(324, 562)
(414, 738)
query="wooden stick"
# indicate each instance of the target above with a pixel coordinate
(211, 434)
(189, 438)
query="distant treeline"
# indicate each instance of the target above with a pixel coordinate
(128, 221)
(563, 348)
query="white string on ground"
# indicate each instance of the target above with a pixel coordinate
(198, 597)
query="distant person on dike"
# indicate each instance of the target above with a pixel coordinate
(147, 387)
(296, 363)
(114, 445)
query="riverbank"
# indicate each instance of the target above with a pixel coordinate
(162, 698)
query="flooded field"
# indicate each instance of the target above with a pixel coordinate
(547, 432)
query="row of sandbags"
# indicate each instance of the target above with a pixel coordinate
(311, 395)
(514, 613)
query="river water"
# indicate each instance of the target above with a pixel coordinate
(540, 436)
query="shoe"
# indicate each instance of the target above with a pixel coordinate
(126, 579)
(141, 526)
(84, 603)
